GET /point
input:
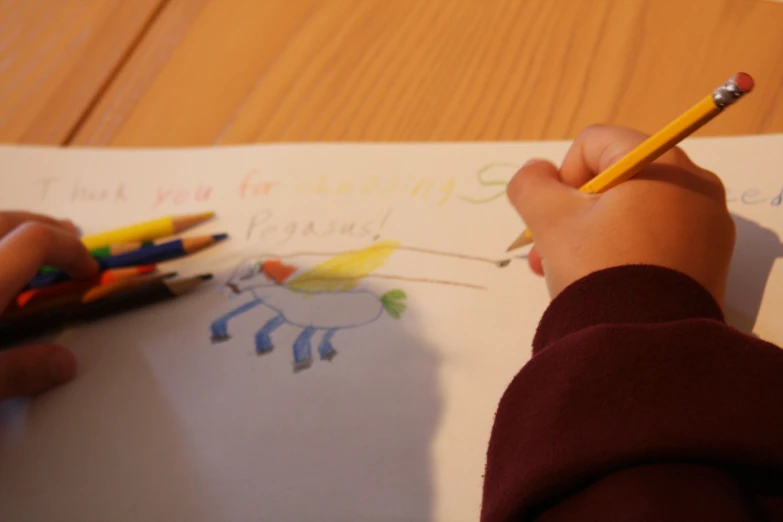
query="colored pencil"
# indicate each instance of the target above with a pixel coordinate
(122, 248)
(97, 293)
(105, 251)
(147, 255)
(35, 325)
(147, 231)
(162, 252)
(76, 286)
(657, 144)
(87, 295)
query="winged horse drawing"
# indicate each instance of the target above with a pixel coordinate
(321, 300)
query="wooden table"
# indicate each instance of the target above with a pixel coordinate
(201, 72)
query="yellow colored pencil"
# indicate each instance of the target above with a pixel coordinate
(147, 231)
(657, 144)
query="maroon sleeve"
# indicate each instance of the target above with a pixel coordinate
(639, 403)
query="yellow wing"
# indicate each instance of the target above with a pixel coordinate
(343, 271)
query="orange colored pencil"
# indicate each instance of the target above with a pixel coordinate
(78, 297)
(77, 286)
(118, 274)
(99, 292)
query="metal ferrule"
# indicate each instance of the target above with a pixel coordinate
(727, 94)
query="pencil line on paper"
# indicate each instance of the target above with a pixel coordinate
(427, 280)
(467, 257)
(394, 277)
(450, 254)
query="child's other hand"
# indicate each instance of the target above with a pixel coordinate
(672, 214)
(27, 242)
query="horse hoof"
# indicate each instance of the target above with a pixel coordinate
(264, 350)
(328, 356)
(302, 365)
(220, 338)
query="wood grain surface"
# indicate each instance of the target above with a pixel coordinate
(55, 58)
(201, 72)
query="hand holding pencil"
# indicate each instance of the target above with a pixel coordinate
(620, 222)
(652, 147)
(28, 241)
(77, 291)
(672, 214)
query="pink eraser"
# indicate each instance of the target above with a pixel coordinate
(744, 82)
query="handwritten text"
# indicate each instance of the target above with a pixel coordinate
(263, 227)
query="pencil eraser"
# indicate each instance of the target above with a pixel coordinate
(744, 82)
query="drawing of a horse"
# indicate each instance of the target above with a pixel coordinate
(322, 300)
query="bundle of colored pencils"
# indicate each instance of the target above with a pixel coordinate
(129, 278)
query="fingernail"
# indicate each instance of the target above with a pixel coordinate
(62, 366)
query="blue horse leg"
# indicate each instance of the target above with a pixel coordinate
(219, 327)
(264, 335)
(325, 349)
(303, 349)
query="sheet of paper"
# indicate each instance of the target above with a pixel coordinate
(175, 415)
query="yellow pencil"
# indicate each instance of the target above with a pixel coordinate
(147, 231)
(657, 144)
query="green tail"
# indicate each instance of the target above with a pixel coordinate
(393, 302)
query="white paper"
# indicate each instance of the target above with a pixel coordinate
(164, 424)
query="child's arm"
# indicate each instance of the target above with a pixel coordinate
(27, 242)
(639, 402)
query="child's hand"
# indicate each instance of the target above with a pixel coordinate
(672, 214)
(27, 242)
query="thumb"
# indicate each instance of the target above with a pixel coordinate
(540, 196)
(33, 369)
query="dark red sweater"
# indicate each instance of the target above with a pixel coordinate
(639, 403)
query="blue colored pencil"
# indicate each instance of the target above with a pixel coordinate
(148, 255)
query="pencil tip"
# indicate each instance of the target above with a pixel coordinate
(191, 220)
(205, 277)
(519, 242)
(219, 237)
